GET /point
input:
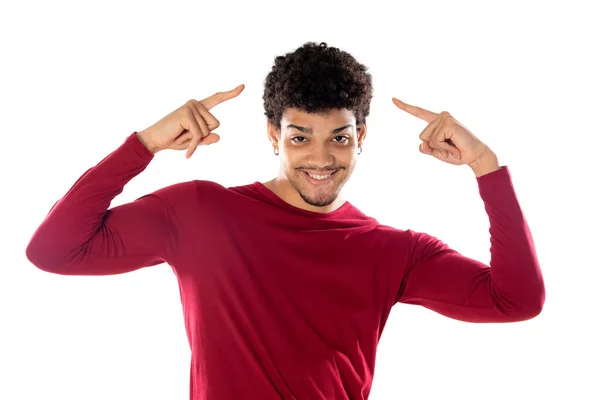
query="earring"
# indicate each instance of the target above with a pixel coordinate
(359, 150)
(276, 152)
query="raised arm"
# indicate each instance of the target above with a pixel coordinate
(81, 236)
(510, 289)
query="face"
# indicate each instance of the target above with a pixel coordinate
(318, 152)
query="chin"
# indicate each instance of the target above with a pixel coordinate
(315, 193)
(318, 200)
(318, 196)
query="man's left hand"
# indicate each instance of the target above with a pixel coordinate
(446, 139)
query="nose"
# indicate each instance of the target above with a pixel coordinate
(321, 157)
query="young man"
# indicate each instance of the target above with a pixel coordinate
(285, 286)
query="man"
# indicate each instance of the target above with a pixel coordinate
(285, 286)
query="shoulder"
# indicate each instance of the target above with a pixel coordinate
(416, 243)
(422, 246)
(192, 191)
(390, 234)
(201, 194)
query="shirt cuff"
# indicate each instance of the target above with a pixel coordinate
(132, 142)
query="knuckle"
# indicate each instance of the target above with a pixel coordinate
(202, 127)
(201, 105)
(188, 112)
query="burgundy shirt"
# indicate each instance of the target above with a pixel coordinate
(280, 302)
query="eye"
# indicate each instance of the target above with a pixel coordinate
(341, 139)
(298, 139)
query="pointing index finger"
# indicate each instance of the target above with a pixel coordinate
(418, 112)
(220, 97)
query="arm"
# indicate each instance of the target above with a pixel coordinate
(510, 289)
(80, 236)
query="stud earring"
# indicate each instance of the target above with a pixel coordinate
(276, 152)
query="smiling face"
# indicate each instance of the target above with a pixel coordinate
(318, 152)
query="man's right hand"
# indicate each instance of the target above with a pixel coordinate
(187, 127)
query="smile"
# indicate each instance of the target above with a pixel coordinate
(319, 179)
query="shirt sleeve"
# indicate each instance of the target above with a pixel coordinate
(81, 236)
(510, 289)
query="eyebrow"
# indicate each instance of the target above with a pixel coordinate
(309, 131)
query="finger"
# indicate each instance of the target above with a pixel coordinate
(220, 97)
(186, 137)
(438, 140)
(200, 131)
(189, 123)
(446, 148)
(439, 154)
(442, 154)
(182, 144)
(430, 130)
(425, 149)
(210, 139)
(210, 119)
(201, 122)
(419, 112)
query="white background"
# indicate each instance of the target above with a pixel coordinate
(78, 77)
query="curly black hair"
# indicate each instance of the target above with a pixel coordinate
(315, 78)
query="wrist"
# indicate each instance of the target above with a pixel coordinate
(143, 138)
(485, 164)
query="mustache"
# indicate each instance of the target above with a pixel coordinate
(320, 169)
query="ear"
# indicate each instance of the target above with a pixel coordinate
(361, 133)
(273, 133)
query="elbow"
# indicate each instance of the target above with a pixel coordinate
(531, 307)
(40, 256)
(538, 303)
(521, 303)
(36, 256)
(523, 298)
(529, 312)
(538, 299)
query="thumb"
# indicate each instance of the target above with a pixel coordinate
(210, 139)
(424, 148)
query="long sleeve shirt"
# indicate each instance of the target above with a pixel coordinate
(281, 302)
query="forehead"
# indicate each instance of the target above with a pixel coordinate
(334, 116)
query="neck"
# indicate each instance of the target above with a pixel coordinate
(282, 187)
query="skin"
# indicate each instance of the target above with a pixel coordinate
(449, 141)
(316, 143)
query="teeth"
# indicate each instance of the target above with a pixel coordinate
(319, 177)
